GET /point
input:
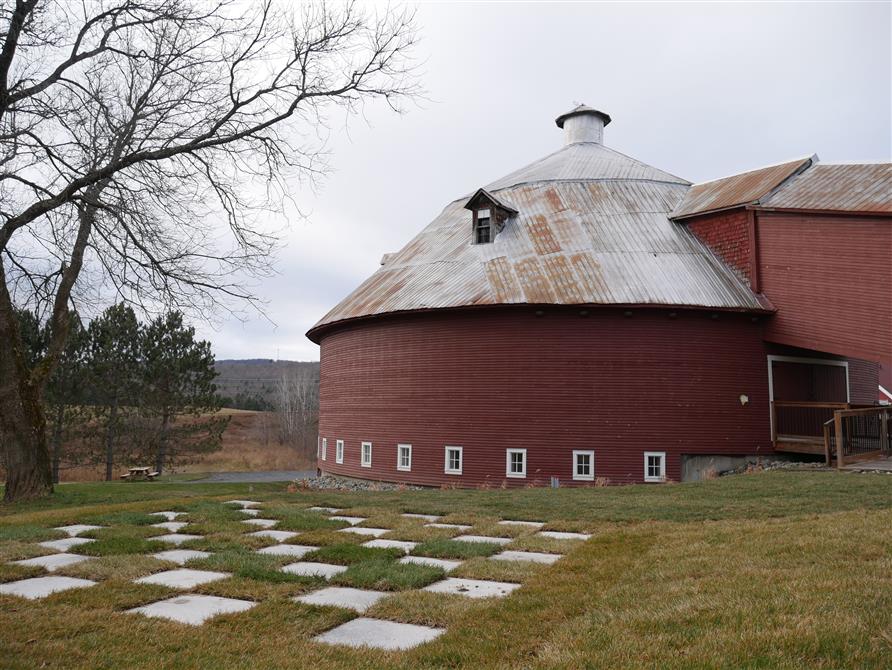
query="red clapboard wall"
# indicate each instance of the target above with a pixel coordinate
(497, 378)
(829, 278)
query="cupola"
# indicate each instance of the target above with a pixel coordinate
(583, 124)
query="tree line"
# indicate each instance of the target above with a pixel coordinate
(126, 392)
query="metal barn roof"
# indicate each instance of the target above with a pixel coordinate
(593, 228)
(741, 189)
(857, 187)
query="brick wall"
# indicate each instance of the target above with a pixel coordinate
(727, 235)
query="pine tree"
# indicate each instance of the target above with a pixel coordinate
(113, 371)
(178, 375)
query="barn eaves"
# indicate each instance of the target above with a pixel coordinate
(489, 215)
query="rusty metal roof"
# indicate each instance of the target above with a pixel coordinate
(857, 187)
(746, 188)
(593, 228)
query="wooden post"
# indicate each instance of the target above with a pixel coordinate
(827, 444)
(837, 423)
(884, 431)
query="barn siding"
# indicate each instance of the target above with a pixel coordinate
(829, 278)
(727, 234)
(491, 379)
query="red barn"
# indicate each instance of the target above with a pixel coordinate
(590, 317)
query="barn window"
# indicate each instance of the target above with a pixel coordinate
(482, 226)
(366, 455)
(516, 463)
(489, 216)
(654, 466)
(324, 447)
(584, 465)
(339, 451)
(404, 457)
(453, 461)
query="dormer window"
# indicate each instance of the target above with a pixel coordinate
(482, 227)
(489, 216)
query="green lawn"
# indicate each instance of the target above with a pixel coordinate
(774, 570)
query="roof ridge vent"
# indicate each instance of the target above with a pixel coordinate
(583, 124)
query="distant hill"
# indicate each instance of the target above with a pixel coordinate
(255, 379)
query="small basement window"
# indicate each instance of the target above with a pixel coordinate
(453, 461)
(584, 465)
(324, 447)
(366, 455)
(404, 457)
(482, 226)
(516, 463)
(654, 466)
(339, 451)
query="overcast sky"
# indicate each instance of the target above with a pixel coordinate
(699, 90)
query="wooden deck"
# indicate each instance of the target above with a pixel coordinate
(799, 445)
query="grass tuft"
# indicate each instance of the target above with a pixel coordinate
(387, 576)
(348, 554)
(453, 549)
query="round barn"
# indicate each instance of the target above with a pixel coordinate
(576, 322)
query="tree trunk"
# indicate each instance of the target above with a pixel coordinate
(22, 421)
(110, 440)
(28, 471)
(57, 441)
(162, 445)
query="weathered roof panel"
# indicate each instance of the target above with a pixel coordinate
(573, 242)
(740, 189)
(857, 187)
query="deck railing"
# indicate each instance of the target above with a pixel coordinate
(857, 434)
(800, 421)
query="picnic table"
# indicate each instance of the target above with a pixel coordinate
(140, 473)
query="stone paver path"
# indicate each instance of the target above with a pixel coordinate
(77, 528)
(379, 634)
(41, 587)
(193, 609)
(181, 556)
(358, 600)
(182, 578)
(53, 562)
(66, 544)
(473, 588)
(532, 556)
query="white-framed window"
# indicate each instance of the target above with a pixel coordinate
(516, 463)
(584, 465)
(339, 451)
(318, 446)
(366, 455)
(404, 457)
(324, 447)
(454, 461)
(654, 466)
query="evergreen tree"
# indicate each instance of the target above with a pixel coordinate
(178, 375)
(113, 369)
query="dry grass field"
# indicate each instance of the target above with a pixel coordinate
(770, 570)
(249, 443)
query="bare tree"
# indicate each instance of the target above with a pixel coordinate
(129, 128)
(297, 401)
